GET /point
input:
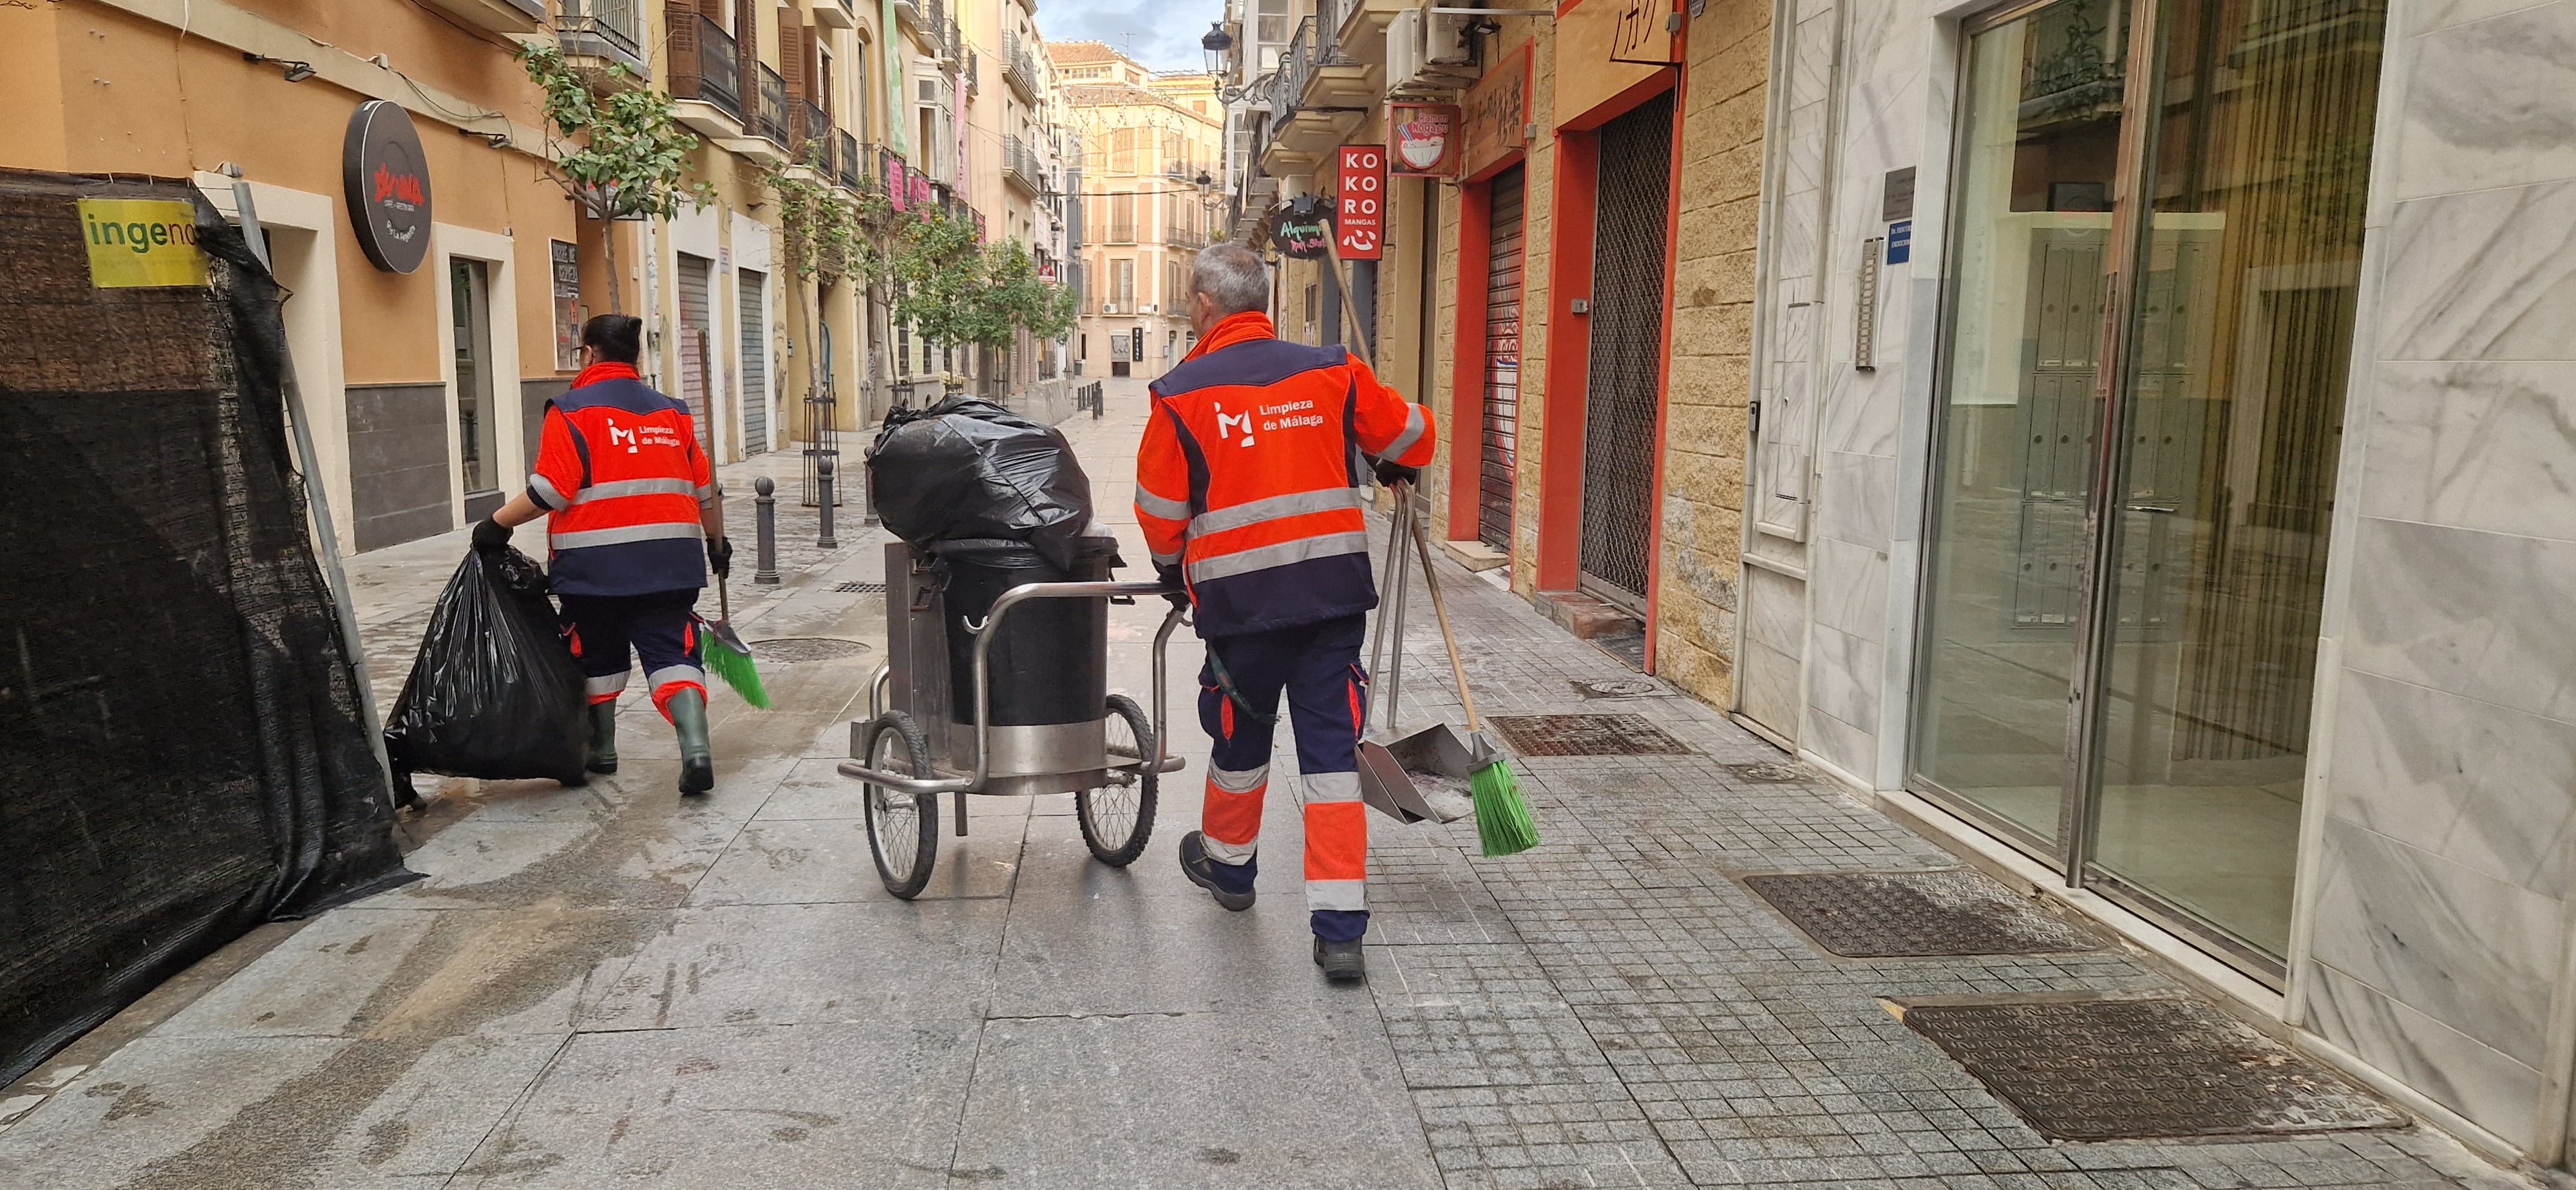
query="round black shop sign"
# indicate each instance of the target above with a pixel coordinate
(387, 180)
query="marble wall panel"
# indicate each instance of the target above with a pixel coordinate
(2488, 446)
(1851, 588)
(2486, 615)
(2492, 1090)
(1858, 497)
(2487, 103)
(1842, 681)
(1840, 744)
(2472, 782)
(2471, 951)
(2487, 275)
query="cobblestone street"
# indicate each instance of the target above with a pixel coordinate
(610, 986)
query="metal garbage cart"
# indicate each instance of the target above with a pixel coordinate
(1034, 720)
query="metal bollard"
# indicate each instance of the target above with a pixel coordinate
(823, 488)
(765, 501)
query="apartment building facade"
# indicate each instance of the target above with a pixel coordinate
(1154, 194)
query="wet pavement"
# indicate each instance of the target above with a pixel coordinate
(612, 986)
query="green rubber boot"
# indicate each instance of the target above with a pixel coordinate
(688, 711)
(603, 738)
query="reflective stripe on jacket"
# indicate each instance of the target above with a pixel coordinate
(621, 475)
(1248, 479)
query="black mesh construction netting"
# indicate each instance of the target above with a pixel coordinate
(181, 752)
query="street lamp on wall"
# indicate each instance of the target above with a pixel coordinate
(1216, 45)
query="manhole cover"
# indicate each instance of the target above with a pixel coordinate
(858, 588)
(1586, 735)
(1767, 773)
(792, 649)
(2135, 1069)
(1876, 915)
(1616, 688)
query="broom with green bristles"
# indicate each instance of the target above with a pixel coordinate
(1502, 814)
(726, 656)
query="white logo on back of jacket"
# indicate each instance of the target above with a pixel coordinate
(1225, 419)
(616, 436)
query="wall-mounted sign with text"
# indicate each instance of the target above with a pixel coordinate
(1605, 48)
(1359, 202)
(1426, 142)
(1496, 112)
(1302, 228)
(386, 180)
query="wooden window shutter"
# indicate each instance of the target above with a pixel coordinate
(814, 80)
(791, 51)
(746, 47)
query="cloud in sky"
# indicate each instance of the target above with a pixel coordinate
(1163, 34)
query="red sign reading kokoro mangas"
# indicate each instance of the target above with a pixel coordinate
(1359, 203)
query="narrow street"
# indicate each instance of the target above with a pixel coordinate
(611, 986)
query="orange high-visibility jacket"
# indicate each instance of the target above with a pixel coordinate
(620, 472)
(1248, 480)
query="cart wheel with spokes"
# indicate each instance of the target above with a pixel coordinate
(903, 828)
(1118, 818)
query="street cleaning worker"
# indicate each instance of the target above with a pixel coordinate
(1248, 489)
(637, 522)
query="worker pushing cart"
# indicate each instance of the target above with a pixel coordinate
(1248, 489)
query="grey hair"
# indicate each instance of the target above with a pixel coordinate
(1233, 276)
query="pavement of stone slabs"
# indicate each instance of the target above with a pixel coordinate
(610, 986)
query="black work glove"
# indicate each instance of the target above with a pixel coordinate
(720, 556)
(1391, 474)
(490, 535)
(1173, 589)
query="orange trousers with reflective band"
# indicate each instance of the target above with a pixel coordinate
(1316, 667)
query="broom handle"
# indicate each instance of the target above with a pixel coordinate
(724, 601)
(1457, 671)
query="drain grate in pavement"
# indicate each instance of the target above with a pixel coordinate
(1616, 688)
(1768, 772)
(1876, 915)
(2138, 1069)
(791, 649)
(859, 588)
(1586, 735)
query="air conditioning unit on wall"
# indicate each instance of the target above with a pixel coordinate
(1428, 52)
(1108, 307)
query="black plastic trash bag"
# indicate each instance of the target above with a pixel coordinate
(968, 468)
(494, 692)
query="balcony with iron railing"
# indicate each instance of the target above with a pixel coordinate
(1020, 165)
(1289, 84)
(597, 34)
(769, 122)
(704, 68)
(810, 133)
(852, 160)
(1018, 68)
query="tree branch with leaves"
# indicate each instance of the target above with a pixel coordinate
(621, 156)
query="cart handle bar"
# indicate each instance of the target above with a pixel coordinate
(1163, 760)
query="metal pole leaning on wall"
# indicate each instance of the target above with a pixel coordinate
(765, 526)
(326, 539)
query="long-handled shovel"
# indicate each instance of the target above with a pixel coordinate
(1392, 761)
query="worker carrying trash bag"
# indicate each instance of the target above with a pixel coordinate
(1248, 489)
(636, 523)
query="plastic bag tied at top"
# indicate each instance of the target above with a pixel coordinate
(494, 692)
(969, 469)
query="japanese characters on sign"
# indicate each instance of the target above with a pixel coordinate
(1359, 206)
(1495, 112)
(1606, 47)
(1425, 140)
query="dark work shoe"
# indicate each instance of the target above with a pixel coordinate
(1342, 961)
(1201, 870)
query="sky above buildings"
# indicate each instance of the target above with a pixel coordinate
(1162, 34)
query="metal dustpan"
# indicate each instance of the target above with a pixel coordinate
(1419, 774)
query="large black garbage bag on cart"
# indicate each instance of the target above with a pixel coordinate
(969, 469)
(494, 692)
